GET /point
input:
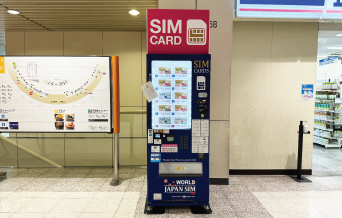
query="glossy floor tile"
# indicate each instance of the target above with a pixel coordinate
(85, 192)
(326, 161)
(301, 204)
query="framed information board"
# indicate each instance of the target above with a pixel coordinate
(55, 94)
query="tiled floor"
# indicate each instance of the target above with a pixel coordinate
(326, 161)
(85, 192)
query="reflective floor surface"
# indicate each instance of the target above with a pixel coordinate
(85, 192)
(326, 161)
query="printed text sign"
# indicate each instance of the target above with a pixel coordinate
(177, 31)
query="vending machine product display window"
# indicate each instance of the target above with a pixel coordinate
(172, 82)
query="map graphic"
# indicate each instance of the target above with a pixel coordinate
(55, 94)
(67, 97)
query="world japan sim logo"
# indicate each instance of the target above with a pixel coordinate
(196, 33)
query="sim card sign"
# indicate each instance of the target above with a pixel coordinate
(196, 32)
(177, 31)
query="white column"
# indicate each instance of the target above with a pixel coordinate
(221, 12)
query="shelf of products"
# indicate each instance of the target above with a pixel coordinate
(328, 116)
(318, 100)
(329, 86)
(324, 106)
(318, 110)
(324, 95)
(329, 130)
(323, 133)
(325, 137)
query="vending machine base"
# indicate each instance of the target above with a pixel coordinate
(204, 209)
(154, 209)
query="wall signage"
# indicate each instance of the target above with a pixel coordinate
(307, 92)
(55, 94)
(327, 61)
(177, 31)
(306, 9)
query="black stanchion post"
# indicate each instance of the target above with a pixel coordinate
(301, 132)
(300, 150)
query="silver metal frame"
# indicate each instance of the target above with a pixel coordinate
(116, 180)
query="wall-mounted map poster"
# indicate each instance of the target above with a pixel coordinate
(55, 94)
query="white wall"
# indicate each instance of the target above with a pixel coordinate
(271, 60)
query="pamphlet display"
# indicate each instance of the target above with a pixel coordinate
(55, 94)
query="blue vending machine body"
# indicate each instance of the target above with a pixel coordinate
(178, 131)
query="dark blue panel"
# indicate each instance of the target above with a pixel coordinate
(156, 184)
(284, 2)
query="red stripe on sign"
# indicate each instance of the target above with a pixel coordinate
(281, 10)
(334, 11)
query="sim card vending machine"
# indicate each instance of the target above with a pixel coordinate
(178, 133)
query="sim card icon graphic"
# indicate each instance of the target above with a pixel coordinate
(196, 32)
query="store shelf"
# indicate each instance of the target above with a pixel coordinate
(325, 120)
(330, 145)
(330, 130)
(320, 99)
(327, 137)
(324, 110)
(316, 118)
(328, 115)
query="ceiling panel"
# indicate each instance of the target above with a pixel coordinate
(60, 15)
(329, 43)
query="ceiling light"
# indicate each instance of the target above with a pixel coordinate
(339, 35)
(13, 12)
(134, 12)
(335, 47)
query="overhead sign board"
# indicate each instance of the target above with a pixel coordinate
(306, 9)
(55, 94)
(177, 31)
(327, 61)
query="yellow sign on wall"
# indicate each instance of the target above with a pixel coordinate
(2, 65)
